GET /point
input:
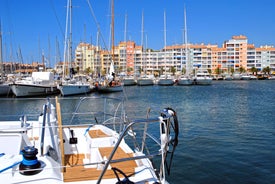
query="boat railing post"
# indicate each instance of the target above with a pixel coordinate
(43, 130)
(114, 150)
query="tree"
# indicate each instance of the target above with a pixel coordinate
(209, 71)
(173, 70)
(266, 70)
(232, 70)
(242, 70)
(218, 70)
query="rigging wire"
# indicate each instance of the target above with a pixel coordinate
(96, 22)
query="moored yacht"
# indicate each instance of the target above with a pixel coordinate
(145, 81)
(40, 83)
(202, 78)
(166, 80)
(185, 81)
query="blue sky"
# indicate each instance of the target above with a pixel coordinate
(35, 25)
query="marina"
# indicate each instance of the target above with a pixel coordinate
(153, 106)
(226, 129)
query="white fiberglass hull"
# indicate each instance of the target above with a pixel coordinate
(185, 82)
(129, 82)
(74, 89)
(145, 82)
(203, 81)
(24, 90)
(166, 82)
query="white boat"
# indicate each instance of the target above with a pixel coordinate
(40, 83)
(245, 77)
(202, 78)
(129, 81)
(185, 81)
(74, 85)
(46, 151)
(228, 77)
(166, 80)
(145, 81)
(236, 76)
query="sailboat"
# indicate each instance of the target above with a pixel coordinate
(165, 80)
(111, 84)
(96, 143)
(4, 87)
(144, 80)
(186, 80)
(72, 85)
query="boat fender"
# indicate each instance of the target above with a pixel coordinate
(30, 165)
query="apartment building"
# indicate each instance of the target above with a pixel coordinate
(130, 58)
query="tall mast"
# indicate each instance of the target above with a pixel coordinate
(125, 37)
(70, 37)
(142, 34)
(185, 42)
(112, 30)
(165, 42)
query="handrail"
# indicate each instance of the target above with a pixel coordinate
(122, 135)
(43, 129)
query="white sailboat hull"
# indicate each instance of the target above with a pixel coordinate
(185, 82)
(166, 82)
(74, 89)
(129, 82)
(145, 82)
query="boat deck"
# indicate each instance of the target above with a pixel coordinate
(75, 170)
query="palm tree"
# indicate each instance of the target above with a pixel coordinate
(173, 70)
(242, 70)
(266, 70)
(254, 70)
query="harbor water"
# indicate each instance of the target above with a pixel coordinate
(227, 129)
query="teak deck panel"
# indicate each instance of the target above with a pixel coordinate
(97, 133)
(79, 173)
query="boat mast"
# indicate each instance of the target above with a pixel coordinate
(185, 42)
(125, 37)
(112, 30)
(142, 34)
(66, 41)
(70, 37)
(165, 42)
